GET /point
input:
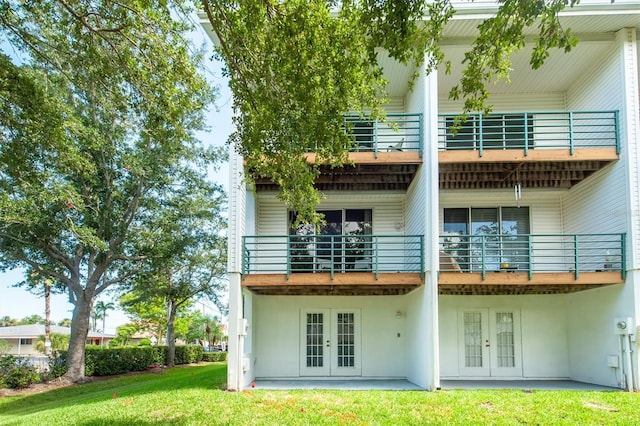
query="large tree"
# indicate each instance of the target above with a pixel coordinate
(97, 118)
(185, 254)
(297, 66)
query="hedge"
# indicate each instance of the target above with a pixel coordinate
(109, 361)
(214, 356)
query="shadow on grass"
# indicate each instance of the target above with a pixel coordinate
(204, 377)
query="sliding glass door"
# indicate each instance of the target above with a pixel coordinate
(491, 238)
(344, 242)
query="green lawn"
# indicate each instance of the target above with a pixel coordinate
(194, 396)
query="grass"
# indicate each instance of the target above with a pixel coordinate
(195, 396)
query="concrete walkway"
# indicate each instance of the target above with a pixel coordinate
(405, 385)
(523, 384)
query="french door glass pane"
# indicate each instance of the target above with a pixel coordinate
(473, 339)
(346, 339)
(505, 347)
(315, 334)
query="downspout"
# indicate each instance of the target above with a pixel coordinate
(626, 338)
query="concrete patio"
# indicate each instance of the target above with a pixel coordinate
(405, 385)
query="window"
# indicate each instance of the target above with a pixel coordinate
(497, 131)
(26, 341)
(493, 238)
(344, 242)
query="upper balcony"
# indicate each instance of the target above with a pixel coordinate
(534, 149)
(383, 156)
(530, 264)
(333, 264)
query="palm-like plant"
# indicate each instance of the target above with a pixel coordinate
(101, 309)
(59, 342)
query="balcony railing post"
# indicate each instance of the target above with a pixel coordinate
(571, 141)
(288, 271)
(332, 251)
(375, 138)
(375, 254)
(616, 115)
(480, 138)
(420, 135)
(245, 261)
(576, 254)
(421, 247)
(623, 256)
(529, 256)
(483, 264)
(526, 134)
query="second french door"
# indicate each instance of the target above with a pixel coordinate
(330, 342)
(489, 343)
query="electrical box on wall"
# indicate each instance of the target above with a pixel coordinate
(243, 327)
(623, 325)
(613, 361)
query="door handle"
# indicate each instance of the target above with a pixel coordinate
(328, 343)
(486, 344)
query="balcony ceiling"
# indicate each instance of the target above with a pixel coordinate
(480, 175)
(359, 177)
(595, 32)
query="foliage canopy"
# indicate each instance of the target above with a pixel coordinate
(296, 67)
(98, 115)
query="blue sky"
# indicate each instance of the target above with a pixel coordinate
(19, 303)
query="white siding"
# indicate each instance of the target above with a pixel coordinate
(607, 202)
(237, 210)
(520, 102)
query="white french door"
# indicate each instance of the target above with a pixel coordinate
(489, 343)
(330, 342)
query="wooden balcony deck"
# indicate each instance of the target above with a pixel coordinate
(321, 283)
(516, 282)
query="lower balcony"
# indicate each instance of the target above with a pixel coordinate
(333, 264)
(530, 264)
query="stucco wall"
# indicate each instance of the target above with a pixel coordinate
(277, 345)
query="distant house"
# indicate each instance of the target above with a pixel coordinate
(22, 338)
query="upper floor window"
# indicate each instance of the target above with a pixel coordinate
(494, 237)
(343, 242)
(496, 131)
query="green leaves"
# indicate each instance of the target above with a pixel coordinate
(500, 36)
(297, 66)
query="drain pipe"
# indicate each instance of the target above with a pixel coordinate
(627, 362)
(623, 327)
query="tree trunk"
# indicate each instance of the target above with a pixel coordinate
(79, 330)
(47, 318)
(171, 338)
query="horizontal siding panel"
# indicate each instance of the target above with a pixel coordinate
(598, 204)
(519, 102)
(415, 214)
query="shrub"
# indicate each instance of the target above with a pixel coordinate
(17, 373)
(214, 356)
(184, 354)
(57, 367)
(100, 361)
